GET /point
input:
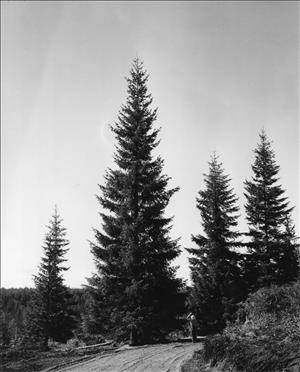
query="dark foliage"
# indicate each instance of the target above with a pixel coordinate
(13, 310)
(266, 338)
(50, 315)
(135, 287)
(215, 265)
(272, 246)
(92, 316)
(15, 304)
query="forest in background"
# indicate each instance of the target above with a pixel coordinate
(14, 307)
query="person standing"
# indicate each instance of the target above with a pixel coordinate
(193, 325)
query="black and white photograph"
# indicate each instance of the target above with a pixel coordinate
(150, 186)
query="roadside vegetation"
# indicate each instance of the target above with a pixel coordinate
(264, 338)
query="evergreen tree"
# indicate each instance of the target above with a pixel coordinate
(50, 316)
(272, 249)
(135, 282)
(215, 265)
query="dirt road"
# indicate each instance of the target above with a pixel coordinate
(156, 358)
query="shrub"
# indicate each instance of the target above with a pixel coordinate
(266, 336)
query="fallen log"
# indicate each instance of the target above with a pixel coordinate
(106, 343)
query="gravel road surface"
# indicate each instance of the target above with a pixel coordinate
(156, 358)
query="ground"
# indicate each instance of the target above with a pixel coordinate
(153, 358)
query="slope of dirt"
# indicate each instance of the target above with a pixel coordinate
(156, 358)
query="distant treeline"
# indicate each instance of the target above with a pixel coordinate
(14, 306)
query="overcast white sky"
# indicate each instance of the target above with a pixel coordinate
(219, 73)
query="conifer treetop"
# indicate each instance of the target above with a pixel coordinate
(54, 250)
(265, 167)
(217, 202)
(266, 207)
(134, 130)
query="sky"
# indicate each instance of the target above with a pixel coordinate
(220, 72)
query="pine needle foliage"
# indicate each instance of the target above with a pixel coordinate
(215, 265)
(272, 247)
(50, 316)
(136, 284)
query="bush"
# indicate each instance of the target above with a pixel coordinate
(277, 301)
(266, 336)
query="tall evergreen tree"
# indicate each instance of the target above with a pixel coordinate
(272, 246)
(215, 265)
(135, 282)
(50, 315)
